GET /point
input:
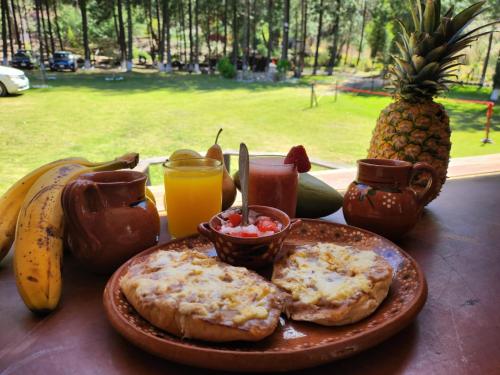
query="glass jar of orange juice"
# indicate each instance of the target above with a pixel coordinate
(193, 193)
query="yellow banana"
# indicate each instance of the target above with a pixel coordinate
(38, 245)
(12, 199)
(150, 195)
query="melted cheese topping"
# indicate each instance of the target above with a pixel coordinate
(196, 284)
(327, 273)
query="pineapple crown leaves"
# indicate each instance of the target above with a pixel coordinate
(429, 53)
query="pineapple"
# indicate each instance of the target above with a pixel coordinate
(414, 127)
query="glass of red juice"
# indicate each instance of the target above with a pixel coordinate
(273, 183)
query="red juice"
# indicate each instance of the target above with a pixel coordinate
(273, 183)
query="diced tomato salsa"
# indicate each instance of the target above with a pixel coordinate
(259, 225)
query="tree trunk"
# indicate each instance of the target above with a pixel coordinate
(21, 26)
(270, 26)
(224, 51)
(5, 59)
(25, 14)
(178, 34)
(85, 31)
(161, 39)
(158, 21)
(334, 51)
(153, 45)
(49, 24)
(58, 29)
(207, 34)
(300, 66)
(115, 22)
(254, 27)
(235, 34)
(296, 41)
(121, 37)
(197, 39)
(340, 47)
(486, 60)
(130, 52)
(166, 19)
(286, 26)
(44, 29)
(349, 34)
(217, 27)
(166, 37)
(9, 28)
(360, 49)
(16, 25)
(39, 32)
(183, 26)
(318, 37)
(190, 22)
(246, 36)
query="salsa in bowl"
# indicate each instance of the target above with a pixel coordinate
(254, 246)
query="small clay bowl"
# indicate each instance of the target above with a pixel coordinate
(253, 252)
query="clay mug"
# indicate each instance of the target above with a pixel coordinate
(381, 198)
(108, 218)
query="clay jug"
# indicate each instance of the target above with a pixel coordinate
(108, 218)
(381, 198)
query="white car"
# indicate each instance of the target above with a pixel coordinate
(12, 81)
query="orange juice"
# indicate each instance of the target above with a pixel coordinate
(193, 193)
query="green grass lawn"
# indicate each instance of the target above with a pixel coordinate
(85, 115)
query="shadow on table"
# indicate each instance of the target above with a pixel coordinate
(427, 230)
(396, 353)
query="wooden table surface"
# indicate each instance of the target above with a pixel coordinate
(457, 243)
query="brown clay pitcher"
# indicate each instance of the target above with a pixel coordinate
(108, 218)
(381, 198)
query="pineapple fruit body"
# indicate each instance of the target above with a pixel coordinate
(414, 132)
(415, 128)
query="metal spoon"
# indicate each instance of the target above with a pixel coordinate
(244, 166)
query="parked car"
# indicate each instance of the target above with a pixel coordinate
(12, 81)
(63, 60)
(23, 59)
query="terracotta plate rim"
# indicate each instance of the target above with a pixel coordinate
(388, 328)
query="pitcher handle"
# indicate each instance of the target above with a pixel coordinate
(80, 197)
(432, 183)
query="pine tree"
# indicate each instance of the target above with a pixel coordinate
(334, 49)
(56, 21)
(197, 39)
(85, 30)
(49, 24)
(16, 26)
(5, 59)
(121, 35)
(130, 52)
(363, 24)
(378, 36)
(318, 35)
(166, 27)
(286, 28)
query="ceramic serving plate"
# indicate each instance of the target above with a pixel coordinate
(294, 345)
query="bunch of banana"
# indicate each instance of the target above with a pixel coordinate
(38, 243)
(11, 201)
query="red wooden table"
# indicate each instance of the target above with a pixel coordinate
(457, 243)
